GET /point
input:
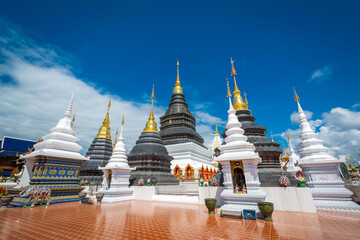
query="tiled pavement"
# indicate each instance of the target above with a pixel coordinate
(158, 220)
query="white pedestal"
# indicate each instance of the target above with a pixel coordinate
(327, 187)
(189, 153)
(235, 203)
(119, 187)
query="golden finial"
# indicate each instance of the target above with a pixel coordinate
(116, 134)
(104, 130)
(73, 119)
(272, 138)
(178, 88)
(151, 126)
(233, 71)
(288, 137)
(228, 88)
(246, 101)
(109, 104)
(239, 103)
(297, 99)
(123, 120)
(216, 129)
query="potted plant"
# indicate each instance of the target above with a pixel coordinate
(266, 208)
(99, 196)
(210, 204)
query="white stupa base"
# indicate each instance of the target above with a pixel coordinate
(327, 187)
(235, 203)
(334, 199)
(189, 153)
(117, 193)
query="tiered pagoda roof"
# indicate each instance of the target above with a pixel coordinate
(178, 125)
(150, 156)
(99, 153)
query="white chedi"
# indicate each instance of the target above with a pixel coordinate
(321, 170)
(216, 143)
(60, 143)
(117, 188)
(236, 148)
(293, 160)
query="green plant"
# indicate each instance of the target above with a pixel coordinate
(1, 172)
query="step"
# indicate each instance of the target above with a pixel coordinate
(176, 198)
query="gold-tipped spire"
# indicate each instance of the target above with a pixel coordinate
(288, 137)
(239, 103)
(116, 136)
(228, 88)
(104, 130)
(297, 99)
(272, 138)
(123, 120)
(216, 129)
(73, 120)
(151, 126)
(246, 101)
(178, 88)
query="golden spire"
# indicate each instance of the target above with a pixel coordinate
(216, 129)
(246, 101)
(104, 130)
(73, 121)
(228, 88)
(239, 103)
(123, 120)
(288, 137)
(178, 88)
(116, 134)
(150, 126)
(297, 99)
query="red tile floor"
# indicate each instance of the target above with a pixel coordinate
(157, 220)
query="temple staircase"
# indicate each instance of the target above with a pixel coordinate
(185, 192)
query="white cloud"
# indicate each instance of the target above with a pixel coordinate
(342, 119)
(339, 129)
(36, 83)
(321, 74)
(295, 119)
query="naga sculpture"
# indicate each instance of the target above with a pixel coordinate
(35, 193)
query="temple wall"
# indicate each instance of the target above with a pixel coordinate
(292, 199)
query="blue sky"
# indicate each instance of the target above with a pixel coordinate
(122, 47)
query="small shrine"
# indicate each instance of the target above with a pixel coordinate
(239, 165)
(115, 185)
(321, 170)
(55, 163)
